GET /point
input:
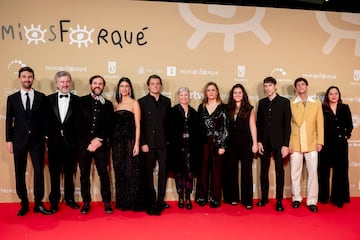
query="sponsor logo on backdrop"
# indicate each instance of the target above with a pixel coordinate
(196, 95)
(337, 34)
(111, 67)
(241, 74)
(171, 71)
(149, 70)
(68, 68)
(15, 65)
(319, 76)
(356, 120)
(202, 28)
(356, 78)
(80, 36)
(280, 75)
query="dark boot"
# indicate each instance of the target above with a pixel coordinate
(181, 201)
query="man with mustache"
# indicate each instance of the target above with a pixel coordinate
(94, 126)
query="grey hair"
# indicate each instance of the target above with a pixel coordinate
(183, 89)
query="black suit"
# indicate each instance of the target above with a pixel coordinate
(154, 133)
(88, 129)
(61, 146)
(26, 131)
(335, 154)
(273, 128)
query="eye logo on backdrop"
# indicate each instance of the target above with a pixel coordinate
(337, 33)
(229, 30)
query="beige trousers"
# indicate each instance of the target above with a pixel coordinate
(296, 166)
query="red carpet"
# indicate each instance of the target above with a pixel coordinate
(227, 222)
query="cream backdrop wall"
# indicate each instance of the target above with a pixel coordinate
(187, 45)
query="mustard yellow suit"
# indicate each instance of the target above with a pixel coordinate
(307, 131)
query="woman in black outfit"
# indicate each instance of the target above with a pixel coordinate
(184, 147)
(242, 145)
(337, 128)
(214, 133)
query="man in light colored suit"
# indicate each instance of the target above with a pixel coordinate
(306, 140)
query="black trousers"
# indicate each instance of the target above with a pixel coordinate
(62, 160)
(101, 158)
(279, 172)
(37, 153)
(335, 157)
(209, 181)
(230, 175)
(150, 158)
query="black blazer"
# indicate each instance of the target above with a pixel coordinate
(20, 126)
(154, 121)
(337, 127)
(55, 129)
(84, 121)
(276, 132)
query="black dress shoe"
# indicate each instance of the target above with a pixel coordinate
(23, 210)
(295, 204)
(39, 208)
(85, 208)
(153, 211)
(108, 208)
(313, 208)
(202, 202)
(262, 202)
(279, 206)
(54, 207)
(163, 205)
(188, 204)
(214, 204)
(72, 204)
(181, 203)
(248, 207)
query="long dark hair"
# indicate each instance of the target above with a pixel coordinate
(326, 103)
(245, 106)
(118, 96)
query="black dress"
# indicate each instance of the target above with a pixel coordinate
(128, 169)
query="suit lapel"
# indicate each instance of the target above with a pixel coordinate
(70, 109)
(55, 106)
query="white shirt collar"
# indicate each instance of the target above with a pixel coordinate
(309, 99)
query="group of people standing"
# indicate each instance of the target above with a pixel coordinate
(206, 144)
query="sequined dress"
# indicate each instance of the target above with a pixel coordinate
(129, 194)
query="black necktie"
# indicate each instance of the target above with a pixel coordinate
(63, 95)
(27, 105)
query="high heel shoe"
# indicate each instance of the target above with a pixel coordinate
(188, 202)
(181, 203)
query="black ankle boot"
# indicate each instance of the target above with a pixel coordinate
(188, 202)
(181, 201)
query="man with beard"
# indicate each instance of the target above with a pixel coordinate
(94, 126)
(25, 133)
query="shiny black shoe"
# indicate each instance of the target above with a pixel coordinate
(262, 202)
(248, 207)
(279, 206)
(313, 208)
(295, 204)
(163, 205)
(188, 204)
(39, 208)
(214, 204)
(54, 207)
(202, 202)
(85, 208)
(181, 203)
(23, 210)
(107, 208)
(72, 204)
